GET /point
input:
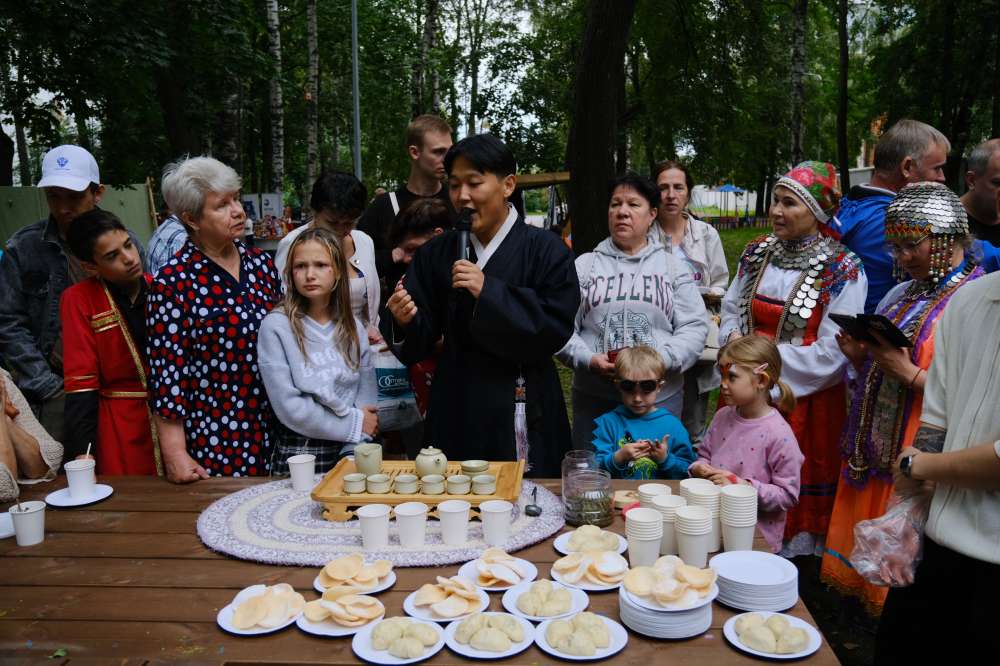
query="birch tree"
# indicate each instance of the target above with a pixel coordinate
(277, 106)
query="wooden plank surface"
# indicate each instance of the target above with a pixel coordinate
(127, 581)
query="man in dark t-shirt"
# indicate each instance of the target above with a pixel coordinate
(428, 139)
(983, 181)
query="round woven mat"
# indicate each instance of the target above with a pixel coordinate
(273, 524)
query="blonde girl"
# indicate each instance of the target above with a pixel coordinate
(315, 359)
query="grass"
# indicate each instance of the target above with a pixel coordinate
(733, 242)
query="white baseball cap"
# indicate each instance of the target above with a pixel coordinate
(69, 166)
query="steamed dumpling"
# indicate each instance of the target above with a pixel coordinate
(541, 587)
(422, 632)
(530, 603)
(793, 639)
(387, 631)
(509, 625)
(777, 624)
(747, 620)
(593, 626)
(579, 644)
(468, 627)
(760, 638)
(558, 631)
(406, 648)
(490, 640)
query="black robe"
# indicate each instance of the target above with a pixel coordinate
(524, 315)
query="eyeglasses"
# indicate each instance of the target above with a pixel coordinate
(644, 385)
(896, 249)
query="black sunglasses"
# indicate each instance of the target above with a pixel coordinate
(645, 385)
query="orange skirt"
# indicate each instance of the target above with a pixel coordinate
(851, 507)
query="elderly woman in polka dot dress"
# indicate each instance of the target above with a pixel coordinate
(205, 307)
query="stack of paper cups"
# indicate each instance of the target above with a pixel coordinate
(693, 525)
(648, 491)
(708, 495)
(644, 531)
(688, 484)
(667, 506)
(738, 516)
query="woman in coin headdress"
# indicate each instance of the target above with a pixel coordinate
(786, 286)
(927, 235)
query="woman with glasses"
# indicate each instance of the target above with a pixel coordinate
(633, 292)
(338, 200)
(927, 233)
(786, 286)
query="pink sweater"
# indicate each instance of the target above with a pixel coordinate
(763, 451)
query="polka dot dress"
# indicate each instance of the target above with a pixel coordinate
(202, 339)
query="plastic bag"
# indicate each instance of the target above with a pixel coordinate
(397, 405)
(888, 549)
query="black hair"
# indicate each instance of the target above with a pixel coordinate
(85, 229)
(485, 152)
(420, 218)
(644, 186)
(340, 192)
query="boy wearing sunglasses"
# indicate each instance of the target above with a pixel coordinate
(638, 440)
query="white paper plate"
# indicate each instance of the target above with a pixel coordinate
(362, 646)
(754, 569)
(654, 605)
(62, 499)
(584, 584)
(330, 628)
(425, 613)
(383, 585)
(618, 634)
(658, 624)
(815, 640)
(225, 616)
(471, 573)
(6, 525)
(578, 602)
(562, 543)
(472, 653)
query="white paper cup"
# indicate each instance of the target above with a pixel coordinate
(693, 548)
(411, 520)
(667, 505)
(668, 542)
(643, 552)
(80, 477)
(302, 468)
(643, 516)
(742, 521)
(715, 543)
(496, 518)
(738, 538)
(687, 485)
(454, 517)
(648, 491)
(29, 525)
(374, 519)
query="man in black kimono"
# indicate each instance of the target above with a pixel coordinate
(503, 314)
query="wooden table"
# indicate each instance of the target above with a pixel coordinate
(127, 581)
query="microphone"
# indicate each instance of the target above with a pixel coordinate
(463, 226)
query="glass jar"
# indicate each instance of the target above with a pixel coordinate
(577, 459)
(588, 498)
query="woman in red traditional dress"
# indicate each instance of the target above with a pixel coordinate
(787, 285)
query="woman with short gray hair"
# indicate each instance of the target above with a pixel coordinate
(204, 309)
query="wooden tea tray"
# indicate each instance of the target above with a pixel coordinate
(340, 505)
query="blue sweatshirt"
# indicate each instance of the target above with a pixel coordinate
(861, 225)
(620, 427)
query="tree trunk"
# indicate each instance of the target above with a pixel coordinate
(845, 55)
(417, 69)
(594, 122)
(312, 98)
(6, 159)
(277, 106)
(429, 42)
(799, 21)
(621, 140)
(80, 114)
(228, 125)
(995, 133)
(23, 161)
(475, 25)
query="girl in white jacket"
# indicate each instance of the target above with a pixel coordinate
(633, 292)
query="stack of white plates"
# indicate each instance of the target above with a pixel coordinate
(648, 491)
(663, 623)
(752, 580)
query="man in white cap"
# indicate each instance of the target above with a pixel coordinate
(34, 271)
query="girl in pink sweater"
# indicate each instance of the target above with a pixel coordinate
(749, 441)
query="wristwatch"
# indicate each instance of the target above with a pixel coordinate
(906, 466)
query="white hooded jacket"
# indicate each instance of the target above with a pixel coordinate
(649, 298)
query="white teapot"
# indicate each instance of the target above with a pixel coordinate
(431, 461)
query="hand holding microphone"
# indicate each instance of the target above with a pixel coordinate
(465, 274)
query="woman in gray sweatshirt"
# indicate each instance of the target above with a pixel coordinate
(315, 360)
(632, 292)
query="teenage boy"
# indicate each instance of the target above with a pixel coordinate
(34, 271)
(503, 313)
(104, 327)
(428, 139)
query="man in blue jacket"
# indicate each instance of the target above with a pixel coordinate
(909, 152)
